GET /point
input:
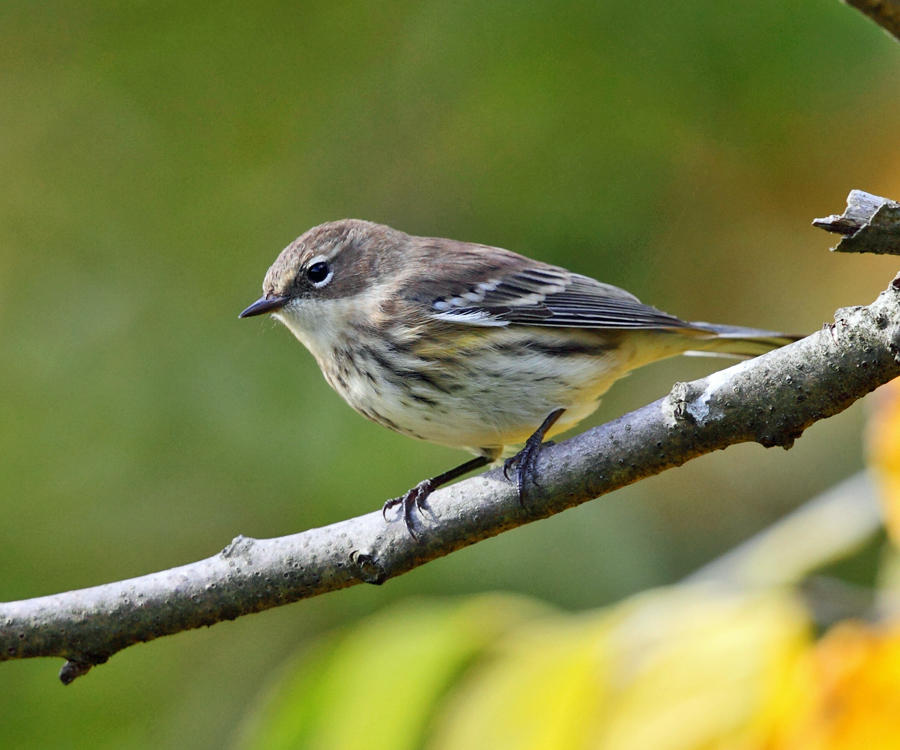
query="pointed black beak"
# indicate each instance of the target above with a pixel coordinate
(264, 305)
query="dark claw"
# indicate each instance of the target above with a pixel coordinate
(390, 504)
(415, 499)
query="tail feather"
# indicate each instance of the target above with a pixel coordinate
(737, 341)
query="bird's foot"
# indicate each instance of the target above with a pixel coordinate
(526, 459)
(415, 499)
(525, 462)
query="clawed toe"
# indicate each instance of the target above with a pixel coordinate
(389, 504)
(414, 500)
(417, 498)
(526, 459)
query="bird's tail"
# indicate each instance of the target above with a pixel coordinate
(736, 341)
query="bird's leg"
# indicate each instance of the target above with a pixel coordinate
(526, 459)
(417, 497)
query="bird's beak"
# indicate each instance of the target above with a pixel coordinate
(264, 305)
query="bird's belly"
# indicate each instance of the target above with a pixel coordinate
(482, 402)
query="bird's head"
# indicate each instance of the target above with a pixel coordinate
(336, 260)
(331, 275)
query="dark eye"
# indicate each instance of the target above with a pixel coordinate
(318, 273)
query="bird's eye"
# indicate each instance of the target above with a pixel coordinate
(319, 273)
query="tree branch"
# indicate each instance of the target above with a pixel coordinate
(770, 400)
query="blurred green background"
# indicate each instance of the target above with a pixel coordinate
(157, 156)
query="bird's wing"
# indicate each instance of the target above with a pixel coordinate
(541, 295)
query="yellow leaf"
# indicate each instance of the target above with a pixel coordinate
(851, 699)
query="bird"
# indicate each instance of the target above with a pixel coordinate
(468, 345)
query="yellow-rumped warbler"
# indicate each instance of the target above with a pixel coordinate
(467, 345)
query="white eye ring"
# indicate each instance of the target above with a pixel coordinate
(319, 272)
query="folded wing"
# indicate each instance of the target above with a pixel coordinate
(548, 296)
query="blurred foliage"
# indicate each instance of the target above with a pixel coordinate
(158, 155)
(691, 667)
(849, 693)
(375, 686)
(685, 668)
(884, 454)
